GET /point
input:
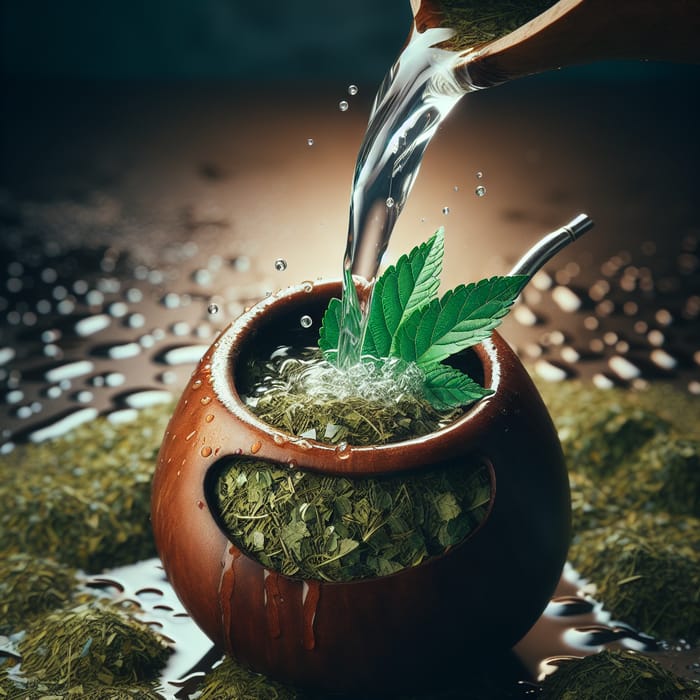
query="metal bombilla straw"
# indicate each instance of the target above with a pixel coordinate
(548, 246)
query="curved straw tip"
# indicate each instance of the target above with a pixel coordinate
(579, 225)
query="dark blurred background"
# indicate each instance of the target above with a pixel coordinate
(223, 39)
(189, 39)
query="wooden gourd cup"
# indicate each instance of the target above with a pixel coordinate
(479, 597)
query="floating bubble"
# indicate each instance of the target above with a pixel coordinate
(213, 309)
(306, 321)
(445, 210)
(390, 202)
(479, 174)
(309, 142)
(352, 90)
(480, 191)
(280, 264)
(343, 106)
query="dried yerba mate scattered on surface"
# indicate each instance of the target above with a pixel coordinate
(616, 675)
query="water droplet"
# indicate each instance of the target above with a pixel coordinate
(190, 436)
(196, 383)
(342, 450)
(623, 368)
(343, 106)
(456, 188)
(445, 210)
(213, 309)
(255, 447)
(280, 264)
(307, 286)
(656, 338)
(306, 321)
(136, 320)
(480, 191)
(309, 142)
(205, 451)
(167, 377)
(200, 505)
(241, 263)
(479, 174)
(352, 90)
(664, 317)
(14, 396)
(209, 418)
(279, 439)
(390, 202)
(118, 309)
(205, 400)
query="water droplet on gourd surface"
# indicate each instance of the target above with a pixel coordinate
(342, 451)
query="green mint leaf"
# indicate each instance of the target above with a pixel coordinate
(330, 330)
(446, 387)
(401, 289)
(461, 318)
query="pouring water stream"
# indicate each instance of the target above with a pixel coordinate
(416, 95)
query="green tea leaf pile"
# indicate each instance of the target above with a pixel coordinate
(91, 643)
(616, 675)
(366, 404)
(337, 529)
(634, 460)
(31, 586)
(84, 498)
